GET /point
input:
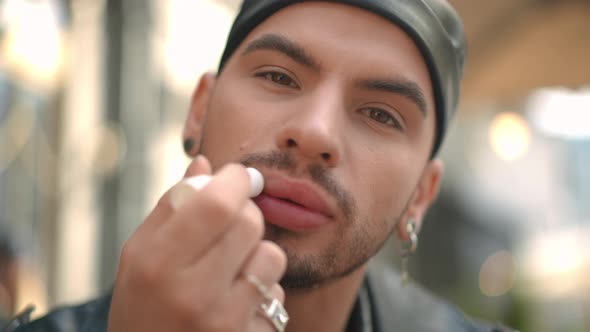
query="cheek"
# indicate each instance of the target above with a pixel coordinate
(233, 126)
(388, 185)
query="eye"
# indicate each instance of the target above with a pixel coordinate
(381, 116)
(278, 78)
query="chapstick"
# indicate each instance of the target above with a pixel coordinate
(182, 191)
(256, 182)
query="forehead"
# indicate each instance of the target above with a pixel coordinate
(348, 40)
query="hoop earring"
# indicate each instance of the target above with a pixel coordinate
(408, 249)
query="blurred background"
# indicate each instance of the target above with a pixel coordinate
(93, 94)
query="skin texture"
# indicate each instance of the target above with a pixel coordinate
(310, 117)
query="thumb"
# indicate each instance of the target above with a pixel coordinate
(200, 165)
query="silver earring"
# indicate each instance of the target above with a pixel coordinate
(408, 248)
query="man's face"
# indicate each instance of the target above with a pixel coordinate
(333, 104)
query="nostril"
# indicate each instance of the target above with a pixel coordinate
(291, 143)
(326, 156)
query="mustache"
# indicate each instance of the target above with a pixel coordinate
(318, 174)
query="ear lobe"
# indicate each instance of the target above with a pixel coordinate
(424, 195)
(199, 101)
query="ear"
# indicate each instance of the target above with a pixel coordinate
(424, 195)
(194, 121)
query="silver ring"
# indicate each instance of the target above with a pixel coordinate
(272, 309)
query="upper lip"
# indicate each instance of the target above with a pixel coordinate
(298, 191)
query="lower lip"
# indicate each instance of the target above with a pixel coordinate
(288, 215)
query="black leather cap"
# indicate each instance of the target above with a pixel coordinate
(434, 26)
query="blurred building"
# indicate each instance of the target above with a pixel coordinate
(93, 94)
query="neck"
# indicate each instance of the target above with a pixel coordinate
(325, 308)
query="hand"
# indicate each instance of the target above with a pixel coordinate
(183, 269)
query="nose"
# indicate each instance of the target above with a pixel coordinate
(313, 134)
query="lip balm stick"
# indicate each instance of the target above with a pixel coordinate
(182, 191)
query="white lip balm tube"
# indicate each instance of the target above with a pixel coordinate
(182, 191)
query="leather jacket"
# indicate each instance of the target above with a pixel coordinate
(383, 304)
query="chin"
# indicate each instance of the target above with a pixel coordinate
(314, 261)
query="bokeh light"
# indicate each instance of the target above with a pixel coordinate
(509, 136)
(110, 148)
(561, 112)
(189, 26)
(497, 274)
(34, 45)
(557, 263)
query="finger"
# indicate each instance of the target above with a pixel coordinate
(267, 263)
(225, 190)
(196, 176)
(259, 321)
(207, 215)
(277, 292)
(229, 254)
(232, 182)
(200, 165)
(164, 208)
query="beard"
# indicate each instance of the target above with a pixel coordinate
(336, 260)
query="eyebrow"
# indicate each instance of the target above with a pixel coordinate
(274, 42)
(398, 86)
